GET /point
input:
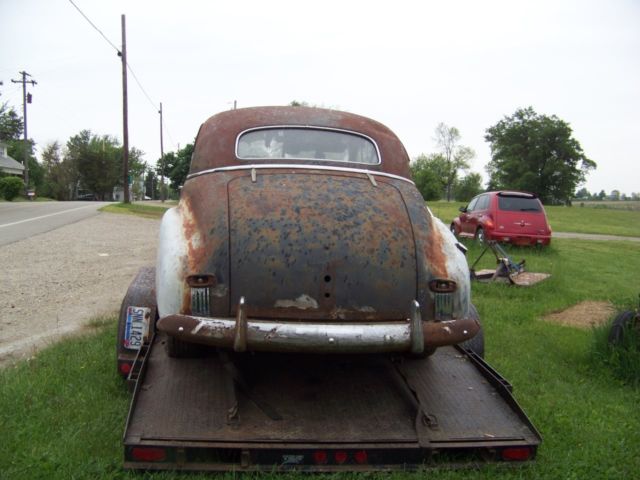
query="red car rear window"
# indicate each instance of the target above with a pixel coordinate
(519, 204)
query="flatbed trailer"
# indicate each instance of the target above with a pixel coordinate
(320, 413)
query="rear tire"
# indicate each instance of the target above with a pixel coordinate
(621, 325)
(480, 236)
(475, 344)
(452, 227)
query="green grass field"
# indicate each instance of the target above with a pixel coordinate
(62, 413)
(140, 209)
(609, 221)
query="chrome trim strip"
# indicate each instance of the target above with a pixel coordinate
(298, 167)
(308, 127)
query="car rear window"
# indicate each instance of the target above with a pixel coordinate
(306, 144)
(519, 204)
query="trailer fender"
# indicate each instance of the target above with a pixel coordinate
(141, 294)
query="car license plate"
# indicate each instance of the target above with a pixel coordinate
(137, 327)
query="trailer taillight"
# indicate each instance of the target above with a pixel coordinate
(340, 457)
(361, 457)
(125, 368)
(517, 453)
(320, 457)
(149, 454)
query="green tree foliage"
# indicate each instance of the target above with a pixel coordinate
(10, 187)
(99, 162)
(151, 184)
(428, 174)
(10, 124)
(456, 156)
(11, 129)
(175, 165)
(467, 187)
(60, 176)
(536, 153)
(582, 194)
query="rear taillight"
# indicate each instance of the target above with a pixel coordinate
(517, 453)
(340, 457)
(361, 457)
(124, 367)
(320, 457)
(148, 454)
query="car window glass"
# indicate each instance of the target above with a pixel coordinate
(472, 204)
(306, 144)
(519, 204)
(483, 202)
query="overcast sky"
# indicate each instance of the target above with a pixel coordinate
(409, 65)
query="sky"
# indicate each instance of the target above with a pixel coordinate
(407, 64)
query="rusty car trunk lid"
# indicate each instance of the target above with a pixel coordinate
(302, 245)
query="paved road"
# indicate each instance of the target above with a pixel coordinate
(593, 236)
(20, 220)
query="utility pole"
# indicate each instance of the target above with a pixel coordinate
(26, 98)
(125, 113)
(161, 157)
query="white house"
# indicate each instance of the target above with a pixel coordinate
(9, 165)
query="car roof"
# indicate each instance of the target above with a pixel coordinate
(215, 145)
(514, 193)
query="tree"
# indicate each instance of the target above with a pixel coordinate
(427, 173)
(151, 184)
(456, 156)
(60, 176)
(468, 187)
(10, 123)
(583, 194)
(536, 153)
(176, 166)
(11, 128)
(602, 195)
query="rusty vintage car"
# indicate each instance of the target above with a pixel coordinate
(299, 230)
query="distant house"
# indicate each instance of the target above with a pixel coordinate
(8, 165)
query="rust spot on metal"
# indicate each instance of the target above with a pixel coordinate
(215, 144)
(434, 252)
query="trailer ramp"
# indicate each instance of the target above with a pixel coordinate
(320, 413)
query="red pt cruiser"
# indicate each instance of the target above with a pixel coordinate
(505, 216)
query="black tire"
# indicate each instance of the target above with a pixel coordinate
(177, 348)
(452, 227)
(475, 344)
(621, 324)
(480, 236)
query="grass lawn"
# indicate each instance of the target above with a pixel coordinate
(24, 199)
(142, 210)
(62, 413)
(609, 221)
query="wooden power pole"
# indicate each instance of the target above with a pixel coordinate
(162, 189)
(26, 98)
(125, 113)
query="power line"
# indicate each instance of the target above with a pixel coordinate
(135, 77)
(96, 28)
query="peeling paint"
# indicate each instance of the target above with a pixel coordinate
(303, 302)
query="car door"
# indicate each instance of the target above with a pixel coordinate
(476, 216)
(466, 216)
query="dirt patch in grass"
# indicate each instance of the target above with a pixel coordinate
(585, 314)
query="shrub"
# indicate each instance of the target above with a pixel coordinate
(10, 187)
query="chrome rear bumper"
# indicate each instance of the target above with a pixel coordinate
(241, 334)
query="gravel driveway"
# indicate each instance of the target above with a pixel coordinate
(53, 284)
